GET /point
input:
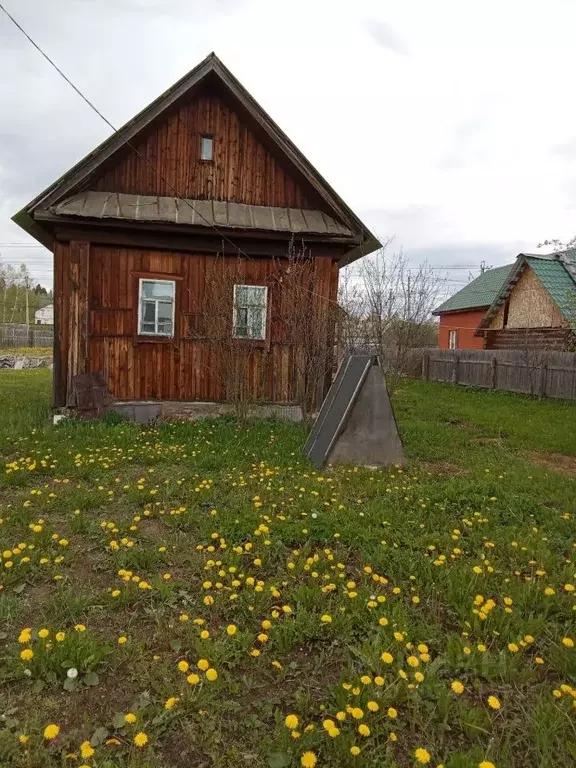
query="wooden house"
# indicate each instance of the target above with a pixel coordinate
(535, 306)
(531, 303)
(461, 314)
(199, 185)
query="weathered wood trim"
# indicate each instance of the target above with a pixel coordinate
(78, 315)
(59, 372)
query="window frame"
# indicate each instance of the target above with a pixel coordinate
(210, 138)
(265, 310)
(453, 337)
(156, 334)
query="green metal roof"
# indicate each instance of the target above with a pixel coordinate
(479, 293)
(557, 281)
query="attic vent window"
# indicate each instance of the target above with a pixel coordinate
(206, 147)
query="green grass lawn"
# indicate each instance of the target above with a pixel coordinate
(197, 595)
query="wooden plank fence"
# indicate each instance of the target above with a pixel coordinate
(544, 373)
(22, 335)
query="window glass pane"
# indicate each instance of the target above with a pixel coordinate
(147, 328)
(250, 295)
(206, 146)
(148, 311)
(164, 310)
(153, 289)
(165, 327)
(241, 295)
(241, 322)
(256, 318)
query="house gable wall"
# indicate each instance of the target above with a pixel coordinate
(530, 306)
(243, 169)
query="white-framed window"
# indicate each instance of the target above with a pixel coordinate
(453, 340)
(156, 300)
(250, 310)
(206, 147)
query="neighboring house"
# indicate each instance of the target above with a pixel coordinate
(462, 313)
(209, 185)
(535, 306)
(44, 315)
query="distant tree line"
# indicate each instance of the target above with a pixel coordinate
(20, 297)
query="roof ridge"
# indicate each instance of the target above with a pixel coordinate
(478, 293)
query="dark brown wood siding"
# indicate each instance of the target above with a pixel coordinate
(186, 367)
(242, 170)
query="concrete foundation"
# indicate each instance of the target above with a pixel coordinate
(147, 412)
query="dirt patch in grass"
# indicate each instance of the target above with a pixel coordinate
(559, 462)
(443, 468)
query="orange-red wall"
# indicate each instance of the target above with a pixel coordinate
(465, 323)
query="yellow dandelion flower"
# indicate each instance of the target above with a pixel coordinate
(412, 661)
(27, 654)
(373, 706)
(378, 680)
(363, 730)
(486, 764)
(568, 642)
(141, 739)
(354, 750)
(122, 640)
(86, 749)
(25, 635)
(326, 619)
(51, 731)
(493, 702)
(171, 702)
(231, 630)
(308, 760)
(60, 637)
(457, 687)
(422, 756)
(357, 713)
(392, 713)
(183, 666)
(203, 664)
(23, 738)
(193, 679)
(513, 648)
(291, 722)
(211, 675)
(130, 718)
(387, 658)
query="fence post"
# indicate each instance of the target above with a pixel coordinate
(543, 379)
(456, 368)
(426, 366)
(493, 369)
(31, 336)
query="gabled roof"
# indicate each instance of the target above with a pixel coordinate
(554, 272)
(78, 176)
(480, 293)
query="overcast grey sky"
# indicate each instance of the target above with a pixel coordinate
(448, 124)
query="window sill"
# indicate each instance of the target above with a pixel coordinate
(156, 340)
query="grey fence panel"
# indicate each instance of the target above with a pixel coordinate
(534, 372)
(22, 335)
